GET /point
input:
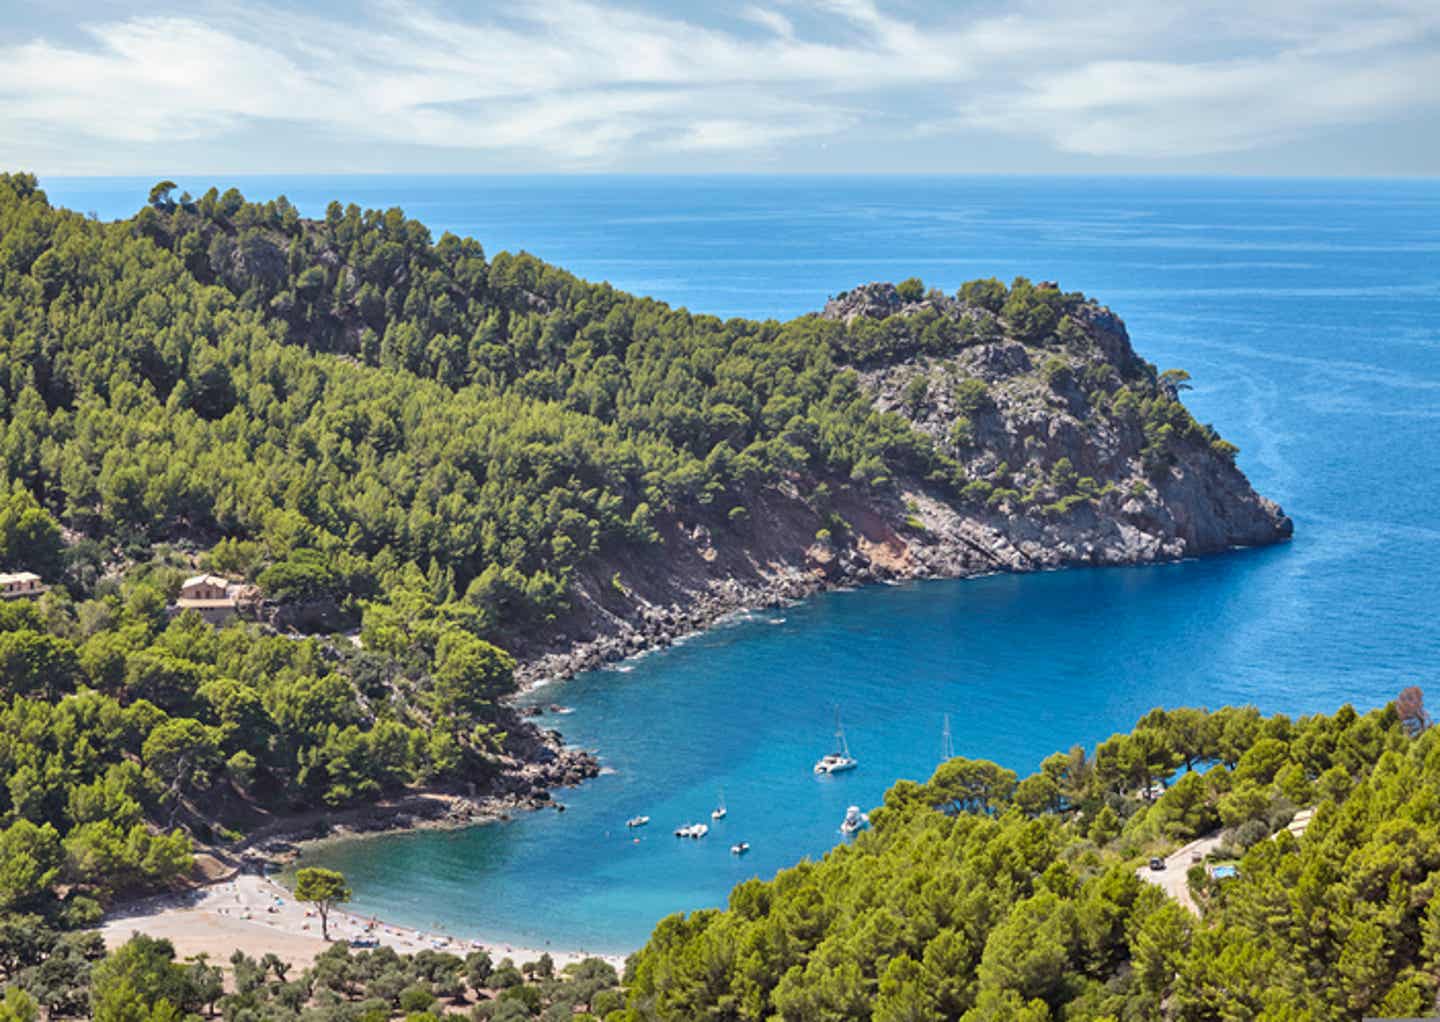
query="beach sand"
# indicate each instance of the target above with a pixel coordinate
(256, 915)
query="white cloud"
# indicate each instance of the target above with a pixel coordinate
(594, 82)
(772, 20)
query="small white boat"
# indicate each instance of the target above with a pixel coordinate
(696, 830)
(840, 760)
(740, 848)
(637, 821)
(854, 822)
(719, 812)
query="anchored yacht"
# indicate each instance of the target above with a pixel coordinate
(839, 760)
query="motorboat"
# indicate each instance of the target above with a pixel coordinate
(854, 822)
(696, 830)
(840, 760)
(719, 812)
(637, 821)
(740, 848)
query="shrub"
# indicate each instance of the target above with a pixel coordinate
(506, 976)
(1030, 312)
(911, 289)
(1251, 833)
(607, 1001)
(416, 997)
(1003, 495)
(988, 294)
(977, 492)
(972, 397)
(914, 395)
(529, 996)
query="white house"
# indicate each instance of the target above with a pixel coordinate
(213, 597)
(16, 585)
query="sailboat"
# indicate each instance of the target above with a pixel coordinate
(947, 744)
(840, 759)
(718, 813)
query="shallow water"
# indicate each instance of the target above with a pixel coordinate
(1307, 313)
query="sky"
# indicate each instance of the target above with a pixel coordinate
(1282, 87)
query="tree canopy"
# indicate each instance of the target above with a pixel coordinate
(970, 900)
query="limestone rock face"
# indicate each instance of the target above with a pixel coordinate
(1058, 445)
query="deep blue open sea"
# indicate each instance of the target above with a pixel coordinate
(1308, 313)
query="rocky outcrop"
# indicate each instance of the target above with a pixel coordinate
(535, 763)
(1072, 450)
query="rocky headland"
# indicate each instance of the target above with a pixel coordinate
(1079, 453)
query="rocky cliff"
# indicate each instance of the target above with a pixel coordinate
(1078, 452)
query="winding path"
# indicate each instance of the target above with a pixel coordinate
(1172, 878)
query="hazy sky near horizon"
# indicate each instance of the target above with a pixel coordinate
(1032, 86)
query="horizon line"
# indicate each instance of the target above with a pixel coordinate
(742, 174)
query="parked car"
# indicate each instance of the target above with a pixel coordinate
(1157, 863)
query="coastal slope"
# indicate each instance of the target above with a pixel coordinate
(1078, 452)
(438, 474)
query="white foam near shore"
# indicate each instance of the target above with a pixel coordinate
(256, 915)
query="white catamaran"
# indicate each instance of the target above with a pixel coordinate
(840, 759)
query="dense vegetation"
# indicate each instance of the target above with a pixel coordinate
(329, 407)
(979, 897)
(70, 975)
(976, 895)
(359, 418)
(112, 717)
(409, 436)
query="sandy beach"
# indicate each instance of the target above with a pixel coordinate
(256, 915)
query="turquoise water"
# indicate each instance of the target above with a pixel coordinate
(1308, 313)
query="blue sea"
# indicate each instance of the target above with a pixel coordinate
(1308, 313)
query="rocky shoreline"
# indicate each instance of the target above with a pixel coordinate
(659, 626)
(532, 771)
(1078, 454)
